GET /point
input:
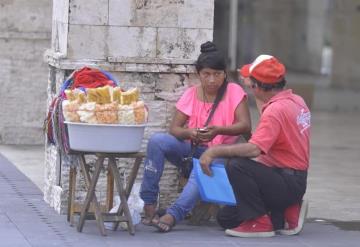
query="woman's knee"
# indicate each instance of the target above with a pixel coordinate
(158, 138)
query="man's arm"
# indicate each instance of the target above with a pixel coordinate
(236, 150)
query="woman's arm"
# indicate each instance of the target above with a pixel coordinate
(242, 124)
(177, 127)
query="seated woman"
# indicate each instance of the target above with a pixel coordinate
(230, 119)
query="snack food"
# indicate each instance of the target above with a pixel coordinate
(70, 109)
(132, 95)
(104, 105)
(140, 112)
(107, 113)
(87, 112)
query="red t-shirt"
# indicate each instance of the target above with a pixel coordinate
(283, 132)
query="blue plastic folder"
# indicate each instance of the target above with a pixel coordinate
(217, 188)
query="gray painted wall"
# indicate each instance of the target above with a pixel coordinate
(25, 30)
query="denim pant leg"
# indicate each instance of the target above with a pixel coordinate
(161, 146)
(188, 197)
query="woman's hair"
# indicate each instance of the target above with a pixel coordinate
(210, 57)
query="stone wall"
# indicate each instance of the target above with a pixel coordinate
(24, 35)
(150, 44)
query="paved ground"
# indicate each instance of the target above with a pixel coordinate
(333, 192)
(25, 220)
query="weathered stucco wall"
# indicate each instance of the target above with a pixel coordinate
(24, 35)
(148, 44)
(345, 42)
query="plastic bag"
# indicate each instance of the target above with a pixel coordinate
(136, 205)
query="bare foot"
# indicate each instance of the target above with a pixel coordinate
(150, 214)
(165, 223)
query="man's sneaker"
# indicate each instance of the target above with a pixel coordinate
(260, 227)
(294, 218)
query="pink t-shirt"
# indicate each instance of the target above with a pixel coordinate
(198, 111)
(283, 132)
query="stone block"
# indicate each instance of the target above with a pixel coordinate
(157, 113)
(25, 16)
(87, 42)
(143, 13)
(120, 12)
(60, 11)
(59, 37)
(89, 12)
(131, 42)
(158, 13)
(144, 81)
(196, 14)
(170, 111)
(56, 201)
(170, 82)
(181, 43)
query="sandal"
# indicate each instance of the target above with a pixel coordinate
(150, 215)
(151, 221)
(163, 227)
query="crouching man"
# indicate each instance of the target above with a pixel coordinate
(269, 189)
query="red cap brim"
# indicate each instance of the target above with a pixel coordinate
(245, 70)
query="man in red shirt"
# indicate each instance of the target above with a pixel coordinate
(268, 174)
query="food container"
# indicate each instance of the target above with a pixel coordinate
(109, 138)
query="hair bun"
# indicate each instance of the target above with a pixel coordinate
(208, 47)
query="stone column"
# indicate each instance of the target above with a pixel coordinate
(345, 44)
(148, 44)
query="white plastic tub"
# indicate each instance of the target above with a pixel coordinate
(109, 138)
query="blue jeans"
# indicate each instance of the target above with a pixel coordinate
(186, 201)
(163, 146)
(188, 197)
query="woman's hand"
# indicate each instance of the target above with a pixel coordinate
(208, 133)
(193, 135)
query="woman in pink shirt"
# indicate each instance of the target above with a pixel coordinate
(192, 123)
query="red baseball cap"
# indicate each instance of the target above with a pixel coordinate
(265, 68)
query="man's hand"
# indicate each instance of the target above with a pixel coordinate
(205, 161)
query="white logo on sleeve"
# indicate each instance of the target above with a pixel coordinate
(303, 120)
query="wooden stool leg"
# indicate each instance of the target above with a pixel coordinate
(90, 196)
(71, 198)
(119, 186)
(109, 190)
(132, 177)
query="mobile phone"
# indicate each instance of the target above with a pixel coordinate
(203, 130)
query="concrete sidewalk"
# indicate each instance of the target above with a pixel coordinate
(333, 192)
(25, 220)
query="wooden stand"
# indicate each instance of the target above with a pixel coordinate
(123, 213)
